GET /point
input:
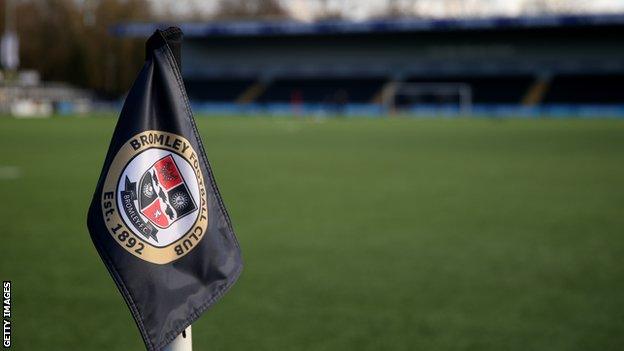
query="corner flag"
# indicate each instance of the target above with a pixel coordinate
(157, 218)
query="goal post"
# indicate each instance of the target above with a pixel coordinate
(404, 95)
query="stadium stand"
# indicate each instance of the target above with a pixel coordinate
(511, 65)
(323, 90)
(587, 89)
(224, 90)
(487, 89)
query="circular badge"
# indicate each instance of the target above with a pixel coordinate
(154, 197)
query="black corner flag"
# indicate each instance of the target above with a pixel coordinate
(156, 218)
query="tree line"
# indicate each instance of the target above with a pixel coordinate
(71, 40)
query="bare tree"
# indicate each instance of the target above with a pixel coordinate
(553, 6)
(400, 9)
(250, 9)
(70, 41)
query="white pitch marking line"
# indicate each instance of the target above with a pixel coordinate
(10, 172)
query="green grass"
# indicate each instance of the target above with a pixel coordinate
(357, 235)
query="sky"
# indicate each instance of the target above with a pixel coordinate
(308, 10)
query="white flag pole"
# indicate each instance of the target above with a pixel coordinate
(183, 342)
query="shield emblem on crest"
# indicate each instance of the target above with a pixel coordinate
(164, 196)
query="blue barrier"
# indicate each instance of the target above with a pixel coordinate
(425, 110)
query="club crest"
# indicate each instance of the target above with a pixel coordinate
(154, 199)
(165, 196)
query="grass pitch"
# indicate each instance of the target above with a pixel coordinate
(357, 235)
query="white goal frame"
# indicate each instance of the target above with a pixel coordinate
(461, 90)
